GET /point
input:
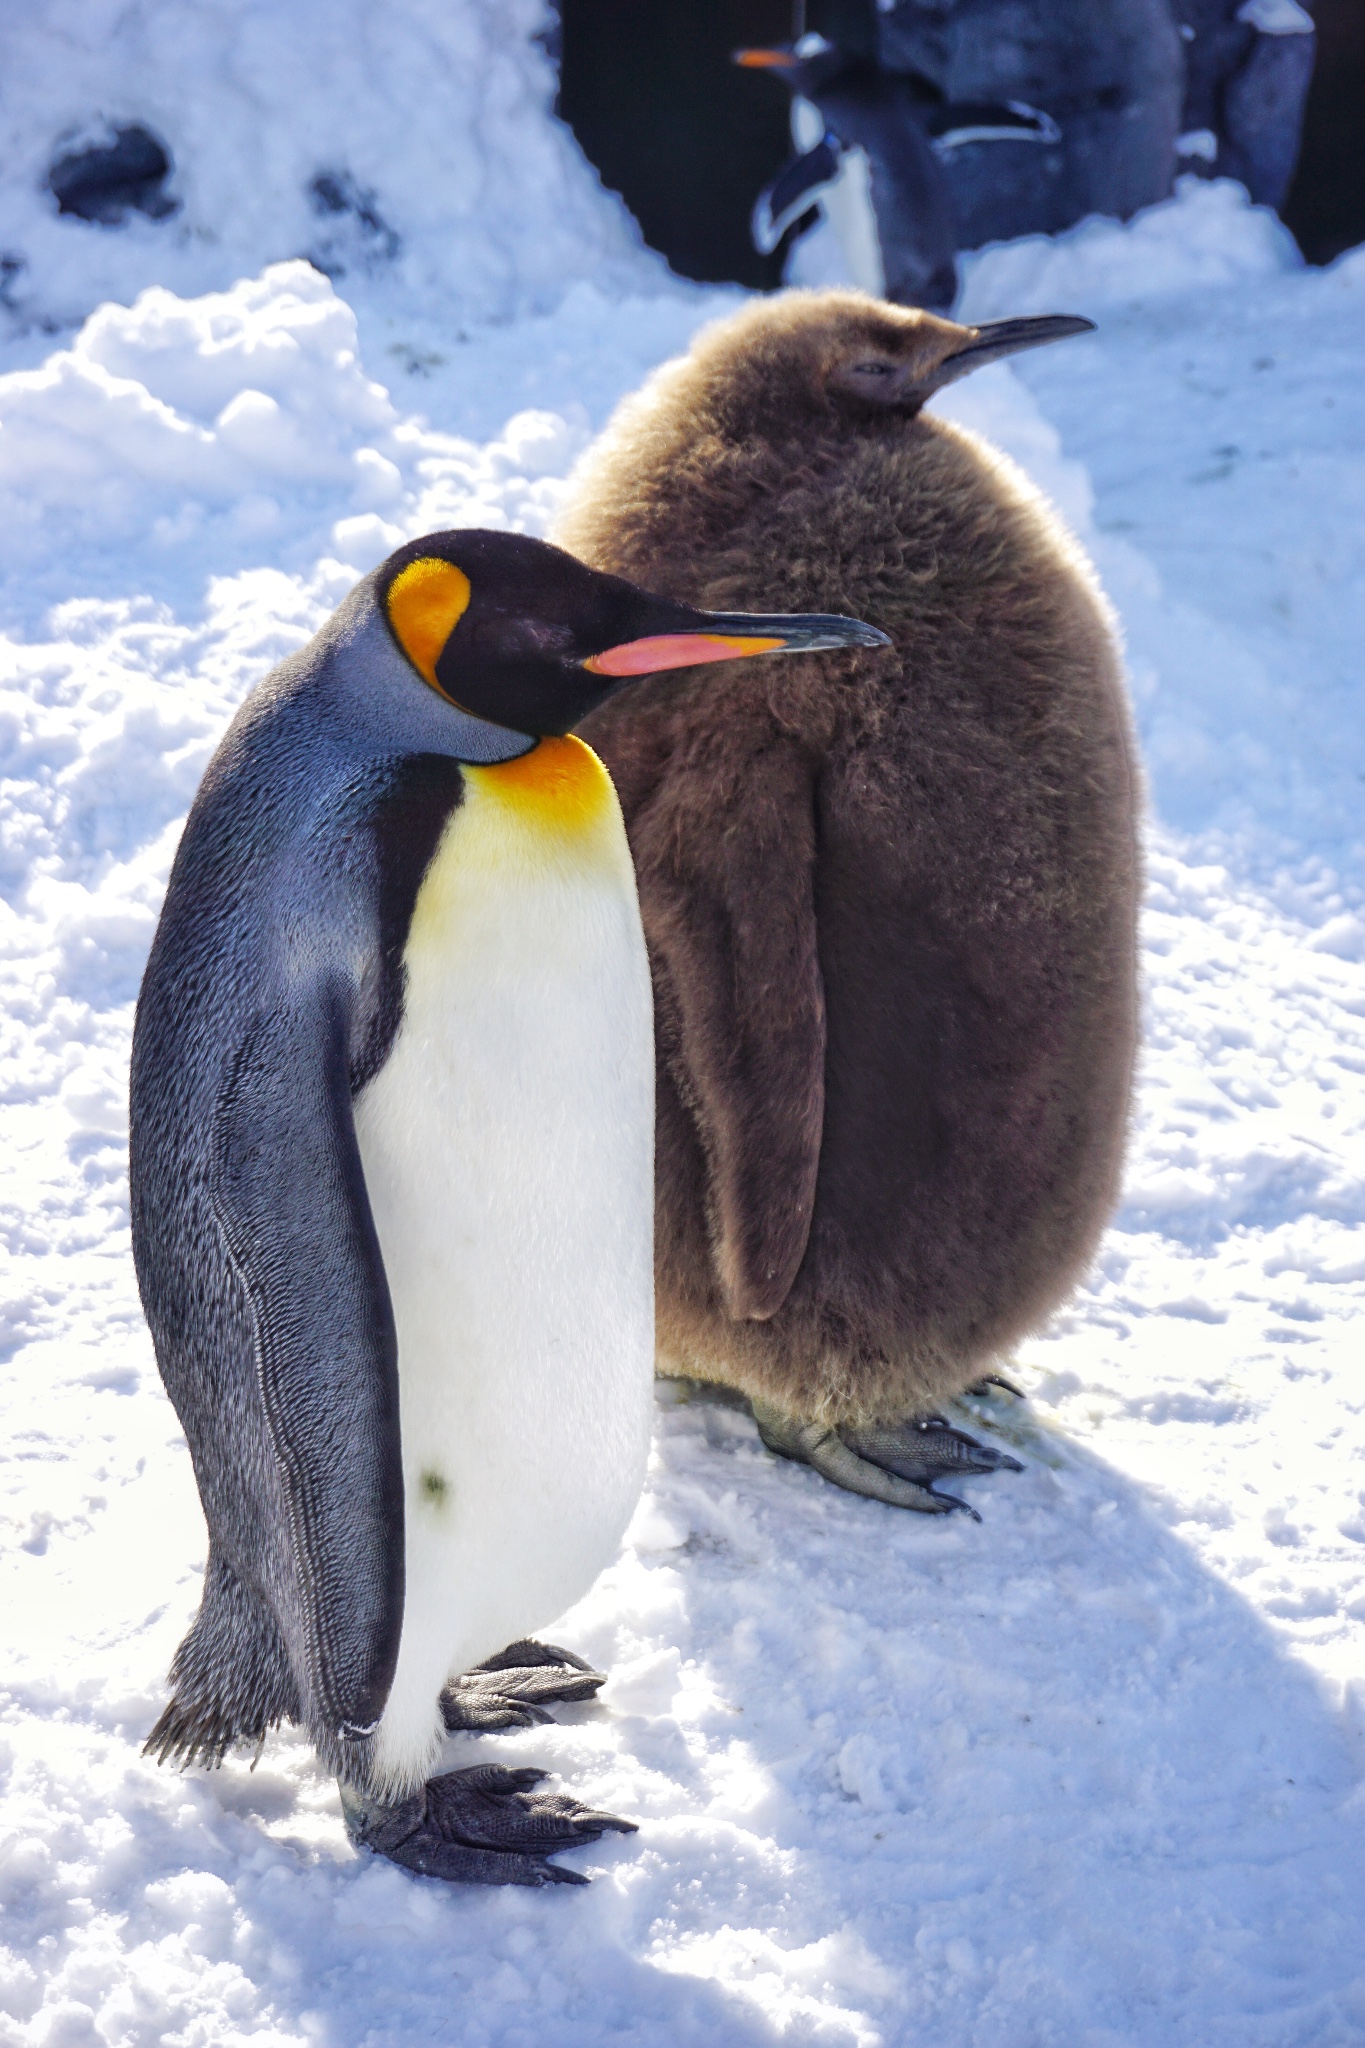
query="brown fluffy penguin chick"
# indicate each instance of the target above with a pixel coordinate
(890, 898)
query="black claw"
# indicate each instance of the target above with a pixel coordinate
(953, 1502)
(997, 1379)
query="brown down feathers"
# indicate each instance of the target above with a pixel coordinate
(890, 896)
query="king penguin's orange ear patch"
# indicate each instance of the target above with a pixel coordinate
(426, 602)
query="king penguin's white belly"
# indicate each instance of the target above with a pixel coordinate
(508, 1147)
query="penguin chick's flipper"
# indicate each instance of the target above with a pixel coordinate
(732, 919)
(511, 1689)
(482, 1826)
(895, 1463)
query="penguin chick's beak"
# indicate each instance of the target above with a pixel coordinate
(1000, 338)
(905, 386)
(728, 636)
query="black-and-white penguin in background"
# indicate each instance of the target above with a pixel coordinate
(391, 1156)
(870, 156)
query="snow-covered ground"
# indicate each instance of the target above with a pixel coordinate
(1091, 1774)
(406, 147)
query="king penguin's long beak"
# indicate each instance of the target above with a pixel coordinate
(727, 636)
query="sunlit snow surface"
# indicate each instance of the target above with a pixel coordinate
(426, 121)
(1092, 1773)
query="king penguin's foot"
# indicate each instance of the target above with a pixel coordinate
(896, 1463)
(509, 1690)
(484, 1826)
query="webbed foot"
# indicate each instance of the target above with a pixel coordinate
(509, 1690)
(482, 1826)
(926, 1450)
(896, 1463)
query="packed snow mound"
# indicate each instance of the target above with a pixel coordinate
(1209, 234)
(233, 429)
(410, 148)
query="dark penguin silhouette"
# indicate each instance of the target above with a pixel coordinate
(391, 1155)
(865, 155)
(1248, 66)
(1110, 77)
(870, 147)
(890, 906)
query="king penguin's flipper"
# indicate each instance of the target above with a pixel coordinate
(285, 1151)
(511, 1690)
(483, 1826)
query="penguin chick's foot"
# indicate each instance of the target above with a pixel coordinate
(510, 1690)
(896, 1463)
(483, 1826)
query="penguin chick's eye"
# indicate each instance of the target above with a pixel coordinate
(868, 377)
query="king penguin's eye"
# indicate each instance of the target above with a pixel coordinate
(872, 370)
(543, 637)
(507, 636)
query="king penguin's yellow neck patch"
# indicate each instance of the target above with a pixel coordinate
(560, 787)
(426, 602)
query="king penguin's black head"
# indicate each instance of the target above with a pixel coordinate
(518, 632)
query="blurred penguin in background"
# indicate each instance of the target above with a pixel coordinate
(1248, 66)
(1110, 79)
(871, 146)
(906, 131)
(924, 129)
(866, 165)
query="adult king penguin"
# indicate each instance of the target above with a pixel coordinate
(891, 908)
(392, 1126)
